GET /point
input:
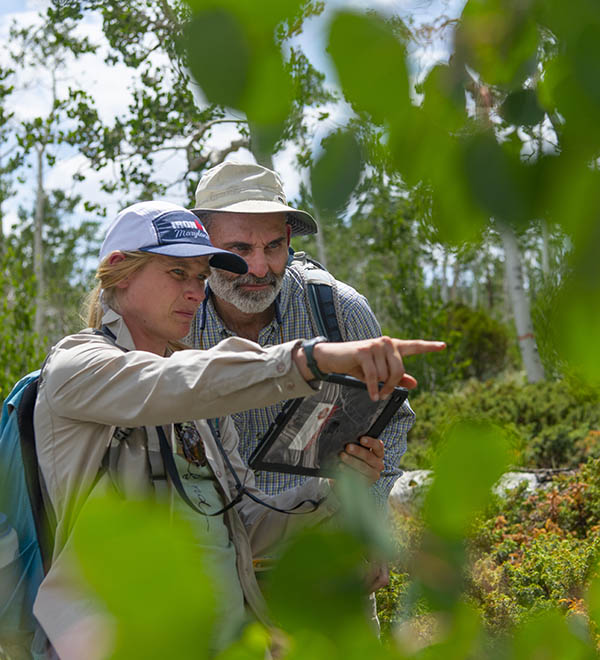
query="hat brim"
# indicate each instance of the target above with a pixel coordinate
(301, 222)
(222, 259)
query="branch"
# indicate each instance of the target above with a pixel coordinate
(215, 157)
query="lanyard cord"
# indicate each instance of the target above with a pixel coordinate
(242, 490)
(169, 463)
(171, 469)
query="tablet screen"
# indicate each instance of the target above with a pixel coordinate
(309, 433)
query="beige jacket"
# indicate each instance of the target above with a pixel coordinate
(89, 386)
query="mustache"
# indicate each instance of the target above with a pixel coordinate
(242, 280)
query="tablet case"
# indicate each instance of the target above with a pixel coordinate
(309, 433)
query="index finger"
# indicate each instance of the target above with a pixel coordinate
(417, 346)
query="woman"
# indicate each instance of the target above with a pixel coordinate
(125, 384)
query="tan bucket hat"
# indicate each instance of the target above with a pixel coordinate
(246, 188)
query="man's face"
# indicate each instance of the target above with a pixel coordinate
(262, 239)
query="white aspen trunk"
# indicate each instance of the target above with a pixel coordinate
(38, 246)
(475, 287)
(520, 305)
(507, 306)
(444, 277)
(455, 278)
(475, 292)
(545, 250)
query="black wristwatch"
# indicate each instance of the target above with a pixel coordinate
(308, 345)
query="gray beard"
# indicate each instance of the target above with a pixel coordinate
(249, 302)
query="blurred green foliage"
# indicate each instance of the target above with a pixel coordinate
(507, 130)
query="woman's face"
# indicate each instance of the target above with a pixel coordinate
(158, 302)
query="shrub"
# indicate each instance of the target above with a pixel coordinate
(536, 552)
(551, 424)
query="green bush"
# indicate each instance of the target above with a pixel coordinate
(534, 552)
(551, 424)
(477, 346)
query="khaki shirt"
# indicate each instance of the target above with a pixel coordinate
(89, 387)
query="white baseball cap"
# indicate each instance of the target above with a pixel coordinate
(247, 188)
(164, 228)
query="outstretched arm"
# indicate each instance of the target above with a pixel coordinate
(373, 361)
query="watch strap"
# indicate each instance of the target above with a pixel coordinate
(308, 345)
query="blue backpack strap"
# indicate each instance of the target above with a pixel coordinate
(322, 296)
(15, 502)
(43, 516)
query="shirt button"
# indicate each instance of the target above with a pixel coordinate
(281, 368)
(290, 386)
(218, 473)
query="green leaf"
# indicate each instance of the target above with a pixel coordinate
(371, 65)
(219, 56)
(548, 636)
(268, 98)
(337, 171)
(498, 39)
(578, 312)
(522, 108)
(149, 573)
(317, 584)
(360, 516)
(473, 457)
(497, 179)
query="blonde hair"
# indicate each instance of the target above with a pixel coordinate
(104, 293)
(108, 276)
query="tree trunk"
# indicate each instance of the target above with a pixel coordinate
(475, 288)
(38, 246)
(545, 250)
(444, 290)
(520, 305)
(455, 278)
(490, 287)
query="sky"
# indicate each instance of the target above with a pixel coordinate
(91, 73)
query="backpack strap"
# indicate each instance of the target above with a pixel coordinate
(43, 516)
(322, 296)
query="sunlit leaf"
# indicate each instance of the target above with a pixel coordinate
(318, 583)
(370, 63)
(148, 572)
(254, 644)
(473, 457)
(548, 636)
(360, 516)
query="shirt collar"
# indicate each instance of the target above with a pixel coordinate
(116, 324)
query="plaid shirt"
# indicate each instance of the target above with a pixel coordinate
(292, 321)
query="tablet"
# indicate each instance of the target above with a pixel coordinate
(309, 433)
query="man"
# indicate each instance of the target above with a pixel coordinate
(244, 209)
